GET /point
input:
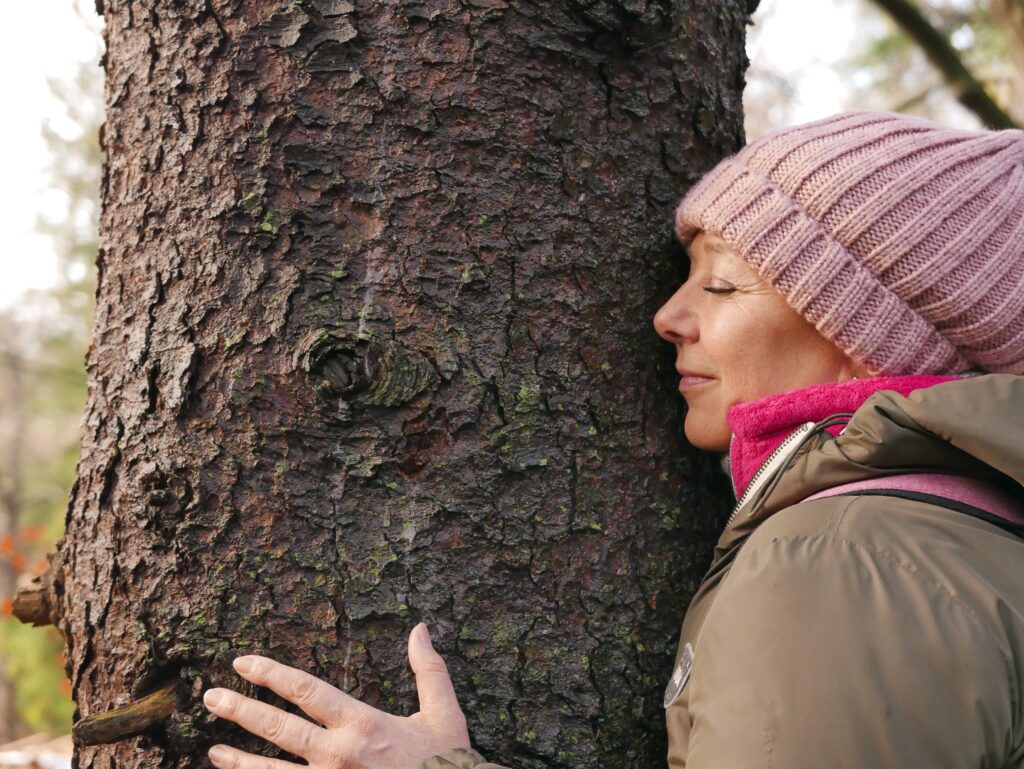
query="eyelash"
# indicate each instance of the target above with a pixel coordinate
(716, 290)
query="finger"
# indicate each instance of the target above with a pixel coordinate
(327, 704)
(433, 685)
(226, 757)
(288, 731)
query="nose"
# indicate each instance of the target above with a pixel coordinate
(675, 322)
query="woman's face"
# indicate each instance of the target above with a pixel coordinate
(738, 340)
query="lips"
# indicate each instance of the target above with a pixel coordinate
(691, 379)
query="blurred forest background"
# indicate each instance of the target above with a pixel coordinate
(809, 58)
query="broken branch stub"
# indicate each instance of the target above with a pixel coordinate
(32, 604)
(129, 720)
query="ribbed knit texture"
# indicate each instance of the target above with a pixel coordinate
(900, 240)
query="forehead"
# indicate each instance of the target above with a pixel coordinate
(711, 244)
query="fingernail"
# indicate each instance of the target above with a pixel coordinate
(243, 664)
(218, 753)
(212, 698)
(423, 637)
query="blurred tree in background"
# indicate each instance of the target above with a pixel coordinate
(42, 386)
(886, 67)
(911, 52)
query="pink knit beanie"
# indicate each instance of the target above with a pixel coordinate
(902, 241)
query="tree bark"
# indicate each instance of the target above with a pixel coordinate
(373, 345)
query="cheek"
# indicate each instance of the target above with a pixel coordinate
(760, 348)
(780, 351)
(741, 341)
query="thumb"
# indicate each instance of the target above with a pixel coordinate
(433, 685)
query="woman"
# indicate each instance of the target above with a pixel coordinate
(851, 333)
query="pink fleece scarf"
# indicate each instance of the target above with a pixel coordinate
(759, 426)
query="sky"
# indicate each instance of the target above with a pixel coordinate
(26, 61)
(800, 38)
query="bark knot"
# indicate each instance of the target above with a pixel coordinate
(375, 373)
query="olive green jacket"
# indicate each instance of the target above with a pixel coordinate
(863, 631)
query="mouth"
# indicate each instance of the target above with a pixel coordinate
(690, 380)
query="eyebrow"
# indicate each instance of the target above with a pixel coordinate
(714, 247)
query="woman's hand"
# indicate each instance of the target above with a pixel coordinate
(354, 735)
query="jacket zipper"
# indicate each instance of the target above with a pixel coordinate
(774, 461)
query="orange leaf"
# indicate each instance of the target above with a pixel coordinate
(31, 533)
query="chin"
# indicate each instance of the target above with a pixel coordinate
(708, 440)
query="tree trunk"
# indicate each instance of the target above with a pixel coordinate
(373, 345)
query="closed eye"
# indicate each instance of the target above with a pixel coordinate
(718, 290)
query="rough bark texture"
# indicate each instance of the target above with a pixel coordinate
(373, 345)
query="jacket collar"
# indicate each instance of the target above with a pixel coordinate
(759, 426)
(970, 424)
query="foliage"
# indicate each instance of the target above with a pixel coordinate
(884, 68)
(44, 346)
(889, 71)
(34, 660)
